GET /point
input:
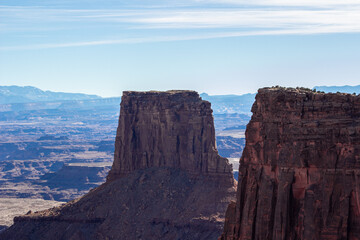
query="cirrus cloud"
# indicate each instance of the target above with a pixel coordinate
(136, 25)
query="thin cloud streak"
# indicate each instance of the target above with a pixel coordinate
(303, 31)
(166, 25)
(297, 3)
(218, 18)
(252, 19)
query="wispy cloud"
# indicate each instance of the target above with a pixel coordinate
(349, 20)
(154, 24)
(307, 3)
(302, 31)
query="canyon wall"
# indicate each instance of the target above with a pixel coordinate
(299, 175)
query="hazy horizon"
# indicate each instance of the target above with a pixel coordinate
(343, 88)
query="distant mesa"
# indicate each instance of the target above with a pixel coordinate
(17, 94)
(238, 127)
(81, 176)
(167, 180)
(300, 169)
(335, 89)
(52, 137)
(230, 103)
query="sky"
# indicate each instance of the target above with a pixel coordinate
(214, 46)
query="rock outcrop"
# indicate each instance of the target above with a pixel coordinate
(299, 175)
(166, 129)
(167, 180)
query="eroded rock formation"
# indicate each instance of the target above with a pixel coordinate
(166, 129)
(299, 175)
(167, 180)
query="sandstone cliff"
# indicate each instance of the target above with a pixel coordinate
(166, 129)
(167, 180)
(300, 169)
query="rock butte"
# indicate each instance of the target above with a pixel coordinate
(167, 179)
(299, 175)
(166, 129)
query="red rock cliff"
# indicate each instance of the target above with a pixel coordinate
(299, 175)
(166, 129)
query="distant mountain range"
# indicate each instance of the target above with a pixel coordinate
(17, 94)
(62, 105)
(15, 98)
(334, 89)
(230, 103)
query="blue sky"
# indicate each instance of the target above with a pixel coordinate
(214, 46)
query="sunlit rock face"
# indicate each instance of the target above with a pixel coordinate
(300, 170)
(166, 129)
(167, 179)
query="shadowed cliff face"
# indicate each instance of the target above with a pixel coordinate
(166, 129)
(300, 169)
(167, 180)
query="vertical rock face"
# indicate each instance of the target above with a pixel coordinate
(166, 129)
(167, 180)
(299, 175)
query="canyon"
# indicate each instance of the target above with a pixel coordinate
(298, 174)
(42, 138)
(58, 150)
(167, 180)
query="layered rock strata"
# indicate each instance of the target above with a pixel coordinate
(299, 175)
(166, 129)
(167, 180)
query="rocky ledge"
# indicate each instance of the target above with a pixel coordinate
(300, 169)
(167, 180)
